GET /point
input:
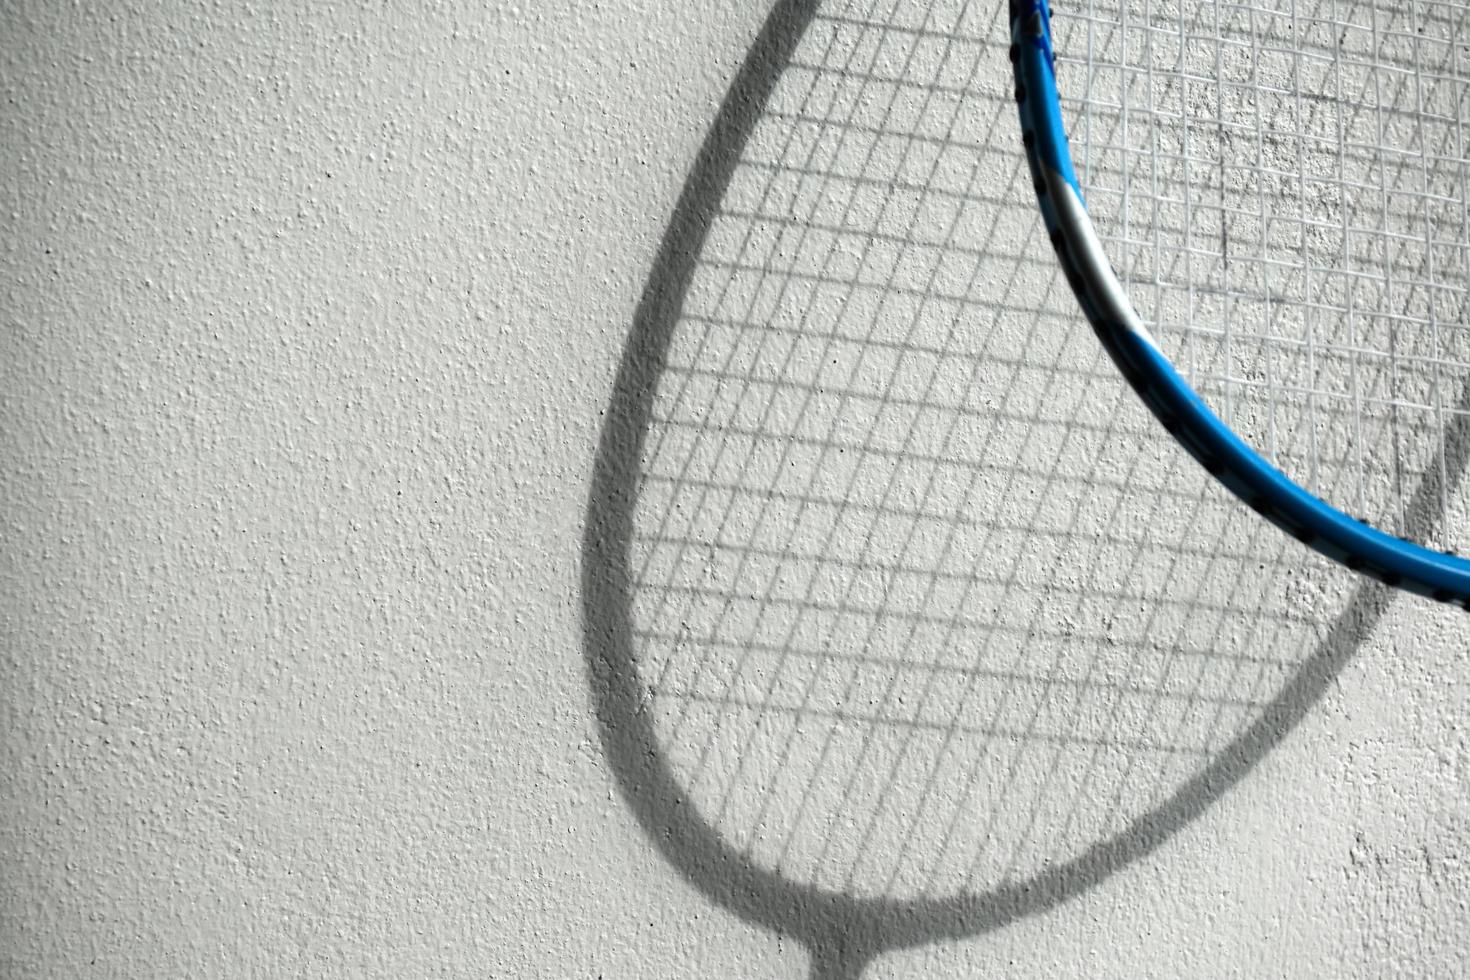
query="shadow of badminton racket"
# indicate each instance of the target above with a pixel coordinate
(901, 622)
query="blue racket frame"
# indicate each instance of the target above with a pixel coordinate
(1225, 455)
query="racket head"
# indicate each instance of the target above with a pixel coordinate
(1317, 378)
(1039, 611)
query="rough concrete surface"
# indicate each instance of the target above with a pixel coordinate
(311, 316)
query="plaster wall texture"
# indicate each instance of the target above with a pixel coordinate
(311, 315)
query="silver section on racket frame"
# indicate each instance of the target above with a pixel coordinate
(1092, 262)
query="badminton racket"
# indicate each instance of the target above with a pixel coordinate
(1274, 246)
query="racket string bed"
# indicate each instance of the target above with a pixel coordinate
(1280, 190)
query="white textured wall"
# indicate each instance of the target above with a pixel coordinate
(309, 315)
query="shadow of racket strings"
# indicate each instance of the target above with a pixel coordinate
(902, 619)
